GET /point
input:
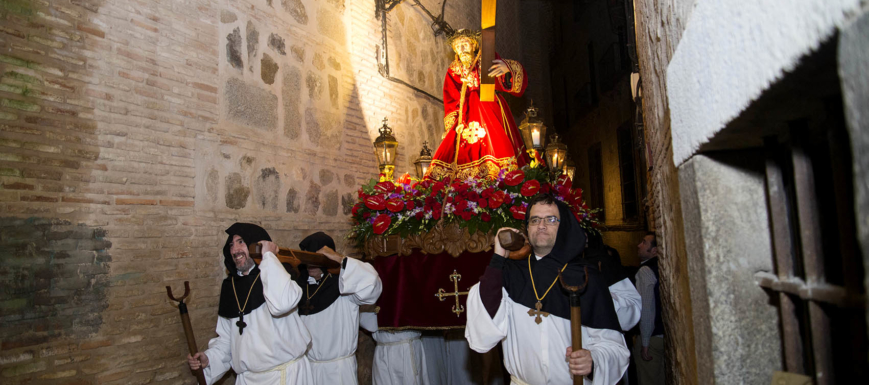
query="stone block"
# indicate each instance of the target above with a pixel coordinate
(227, 16)
(331, 25)
(266, 188)
(268, 69)
(314, 84)
(330, 204)
(318, 61)
(326, 177)
(297, 10)
(312, 199)
(250, 106)
(291, 93)
(333, 91)
(323, 129)
(236, 193)
(334, 63)
(736, 326)
(277, 43)
(212, 185)
(298, 53)
(252, 43)
(349, 180)
(233, 49)
(347, 203)
(293, 201)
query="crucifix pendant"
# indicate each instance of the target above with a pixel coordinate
(308, 307)
(538, 312)
(241, 325)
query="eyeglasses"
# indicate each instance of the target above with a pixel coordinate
(551, 220)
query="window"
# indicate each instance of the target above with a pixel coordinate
(819, 272)
(628, 173)
(595, 173)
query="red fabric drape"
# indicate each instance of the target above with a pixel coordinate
(411, 282)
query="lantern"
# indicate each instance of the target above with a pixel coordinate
(423, 161)
(532, 129)
(556, 152)
(385, 148)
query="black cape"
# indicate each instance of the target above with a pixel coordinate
(228, 306)
(328, 293)
(597, 304)
(605, 258)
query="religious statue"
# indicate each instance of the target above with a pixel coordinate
(480, 138)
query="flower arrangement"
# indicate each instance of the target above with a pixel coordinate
(407, 207)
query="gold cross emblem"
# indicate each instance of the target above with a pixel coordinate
(441, 294)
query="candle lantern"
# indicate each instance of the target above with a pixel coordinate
(385, 148)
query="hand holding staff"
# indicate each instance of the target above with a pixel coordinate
(579, 358)
(296, 257)
(188, 331)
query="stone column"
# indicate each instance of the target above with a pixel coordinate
(736, 328)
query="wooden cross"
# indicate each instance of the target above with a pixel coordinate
(538, 313)
(308, 307)
(441, 294)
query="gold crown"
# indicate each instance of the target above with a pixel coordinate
(464, 33)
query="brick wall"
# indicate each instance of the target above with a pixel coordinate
(659, 26)
(134, 132)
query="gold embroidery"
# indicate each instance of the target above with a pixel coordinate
(450, 120)
(485, 167)
(456, 66)
(473, 132)
(516, 69)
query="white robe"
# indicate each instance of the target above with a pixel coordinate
(535, 353)
(627, 302)
(272, 348)
(399, 358)
(335, 330)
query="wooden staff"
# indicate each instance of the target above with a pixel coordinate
(487, 49)
(297, 257)
(188, 330)
(575, 317)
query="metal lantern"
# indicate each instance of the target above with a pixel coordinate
(570, 168)
(423, 162)
(532, 129)
(556, 152)
(385, 147)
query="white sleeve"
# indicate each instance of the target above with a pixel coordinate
(482, 331)
(627, 302)
(360, 281)
(609, 353)
(281, 292)
(218, 352)
(368, 321)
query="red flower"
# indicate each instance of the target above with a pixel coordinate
(545, 188)
(436, 214)
(461, 205)
(563, 191)
(482, 203)
(437, 188)
(513, 178)
(530, 188)
(375, 202)
(395, 205)
(356, 208)
(487, 193)
(381, 223)
(485, 217)
(384, 187)
(564, 180)
(518, 212)
(366, 215)
(419, 215)
(410, 205)
(497, 199)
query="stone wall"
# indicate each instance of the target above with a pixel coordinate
(659, 27)
(134, 132)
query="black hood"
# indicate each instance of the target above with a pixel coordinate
(597, 304)
(230, 299)
(327, 291)
(250, 233)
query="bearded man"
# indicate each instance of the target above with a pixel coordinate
(259, 333)
(480, 138)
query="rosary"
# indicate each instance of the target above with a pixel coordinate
(241, 324)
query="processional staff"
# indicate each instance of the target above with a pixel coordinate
(297, 257)
(188, 330)
(575, 316)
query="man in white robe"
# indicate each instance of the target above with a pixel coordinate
(536, 337)
(330, 310)
(399, 358)
(262, 344)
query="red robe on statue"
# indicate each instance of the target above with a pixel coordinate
(484, 132)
